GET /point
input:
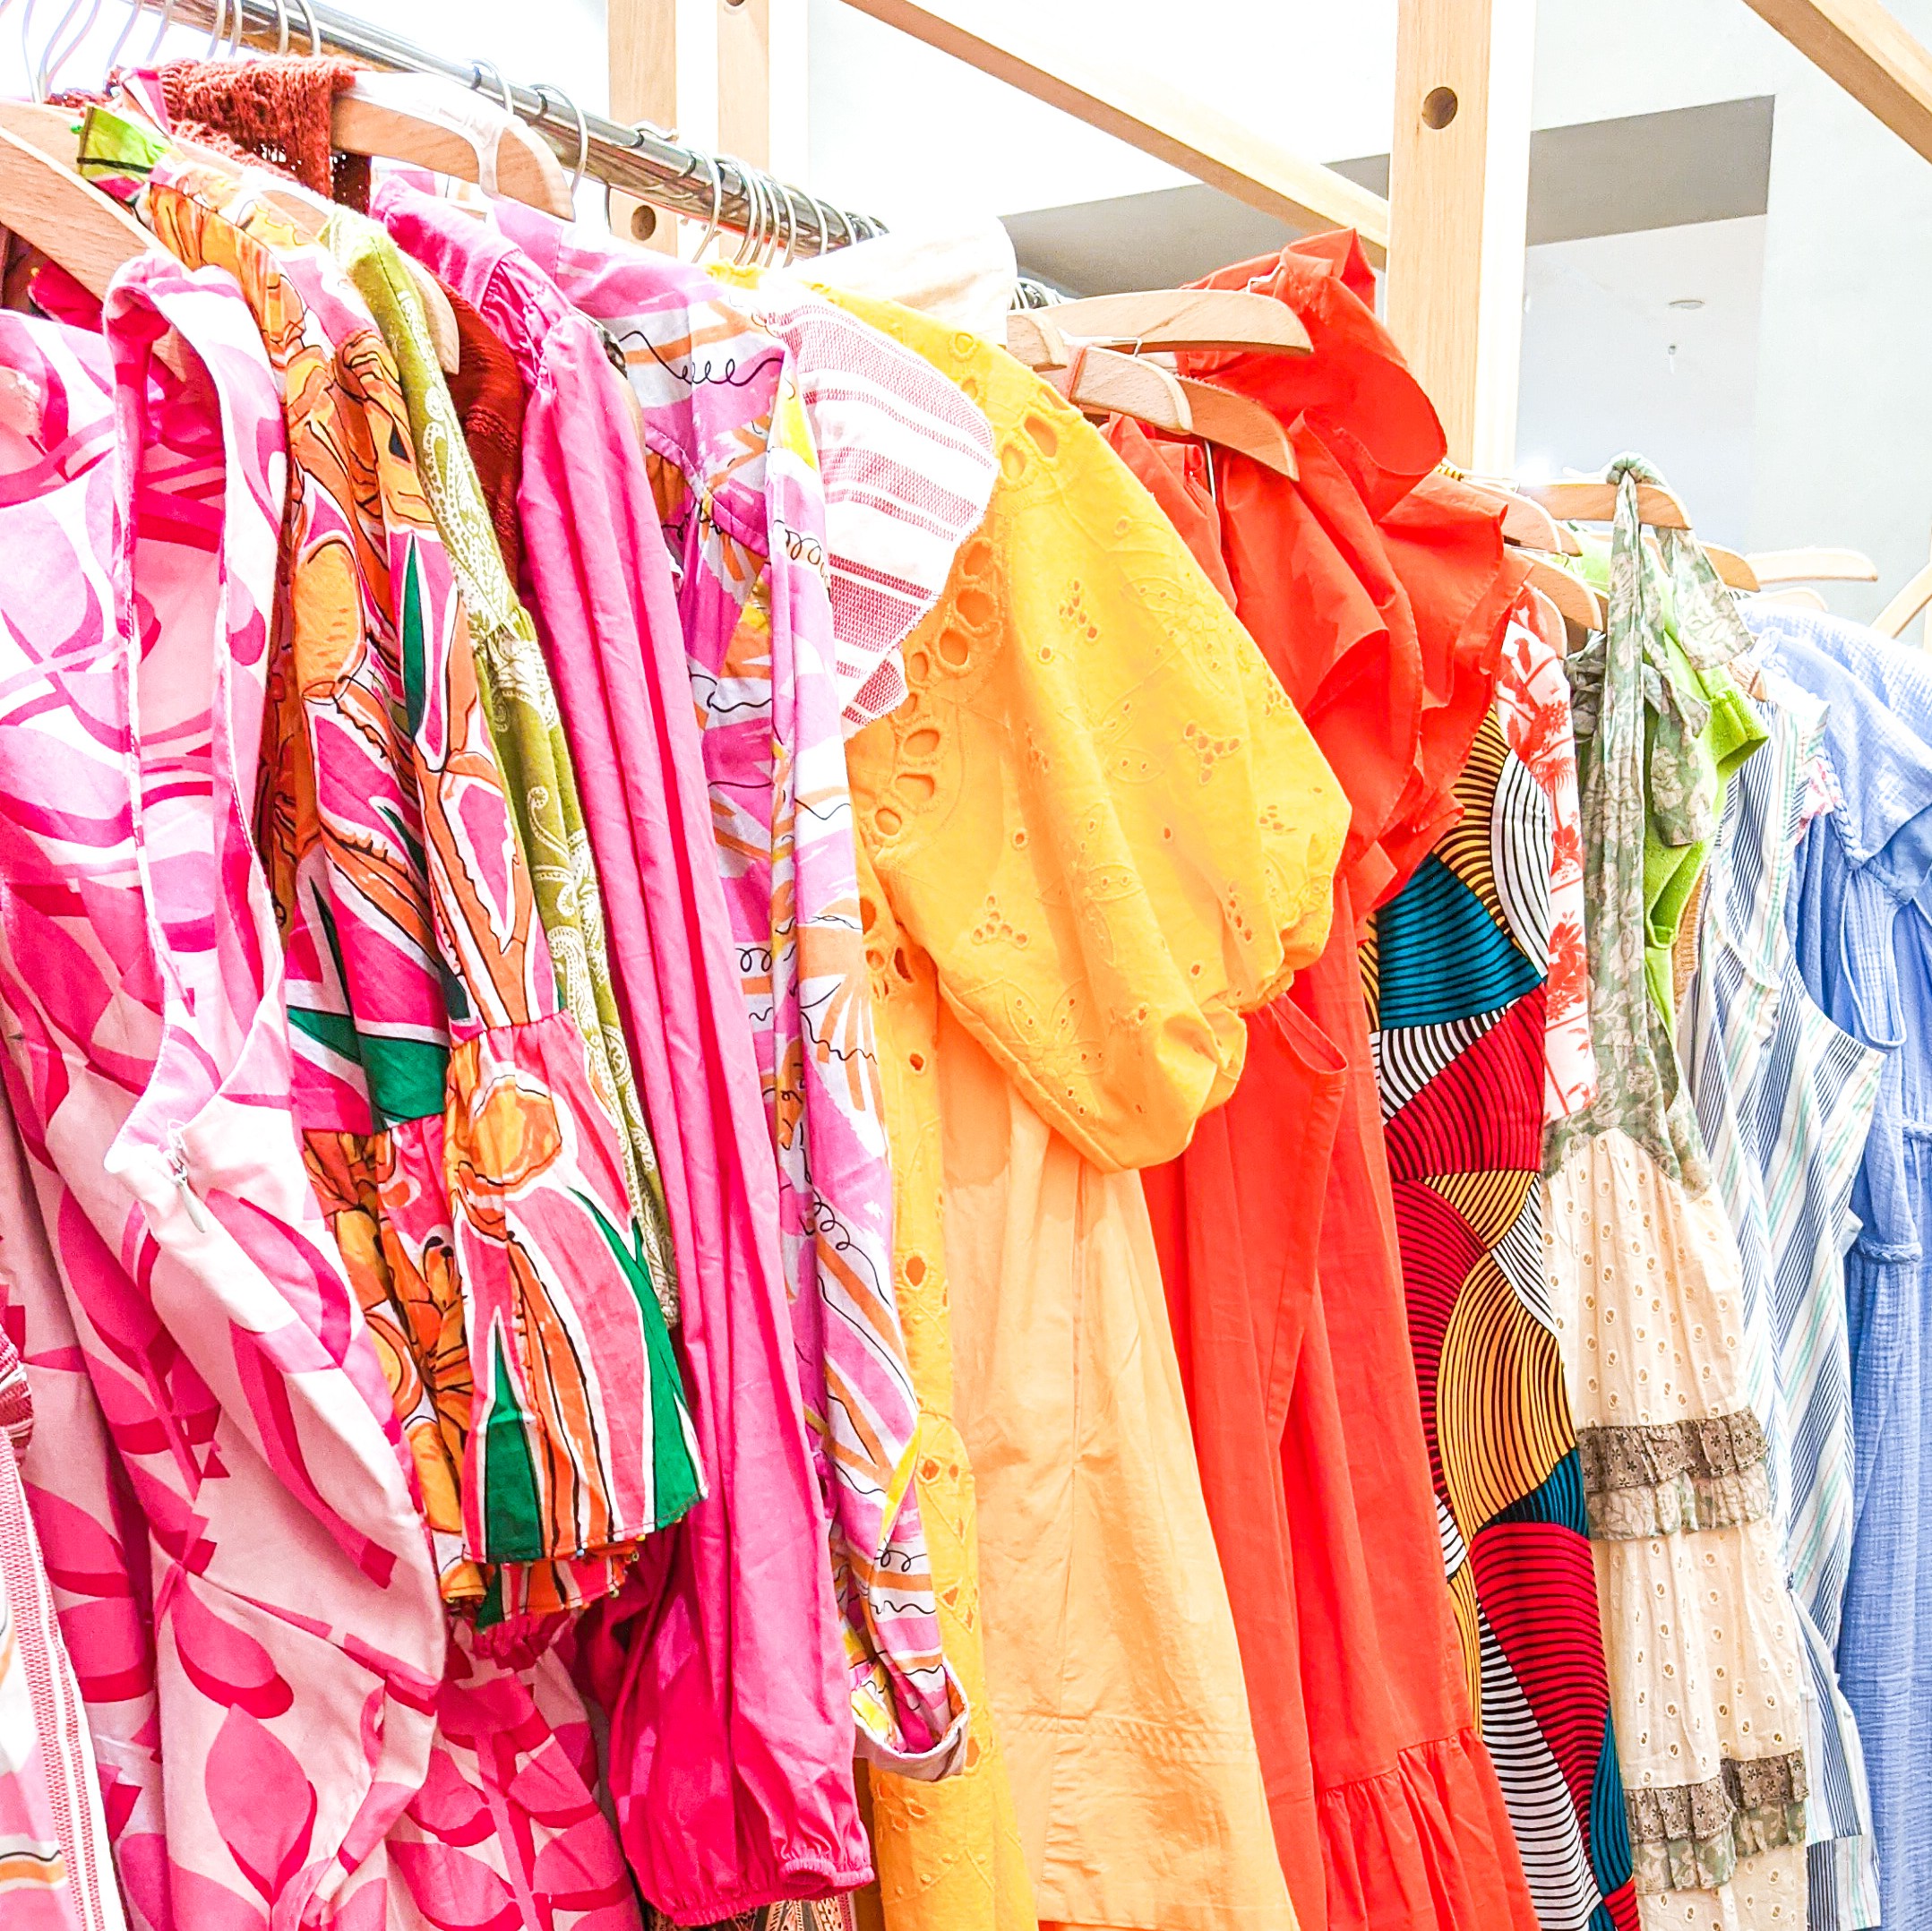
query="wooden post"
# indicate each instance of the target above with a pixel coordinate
(1458, 205)
(700, 66)
(744, 80)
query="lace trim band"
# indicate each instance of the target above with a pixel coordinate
(1681, 1505)
(1639, 1457)
(1669, 1477)
(1690, 1836)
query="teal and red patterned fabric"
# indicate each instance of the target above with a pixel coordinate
(1475, 975)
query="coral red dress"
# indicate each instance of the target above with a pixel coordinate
(1379, 593)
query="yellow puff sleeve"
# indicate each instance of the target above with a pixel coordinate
(1098, 810)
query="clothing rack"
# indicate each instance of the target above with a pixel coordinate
(641, 160)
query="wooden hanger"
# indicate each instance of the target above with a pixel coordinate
(1737, 572)
(1102, 382)
(1179, 404)
(1238, 422)
(1576, 603)
(433, 123)
(1798, 596)
(1596, 502)
(47, 204)
(1906, 605)
(1816, 565)
(1184, 318)
(1525, 522)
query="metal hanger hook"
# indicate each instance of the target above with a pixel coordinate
(221, 27)
(543, 90)
(315, 38)
(717, 204)
(160, 33)
(791, 221)
(282, 26)
(767, 242)
(477, 69)
(122, 37)
(53, 61)
(822, 216)
(751, 218)
(753, 236)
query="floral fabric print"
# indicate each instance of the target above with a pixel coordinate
(1625, 682)
(1533, 703)
(522, 706)
(421, 986)
(735, 472)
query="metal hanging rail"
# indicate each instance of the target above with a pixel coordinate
(641, 160)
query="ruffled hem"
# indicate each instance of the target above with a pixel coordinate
(1690, 1836)
(1425, 1846)
(1681, 1505)
(1671, 1478)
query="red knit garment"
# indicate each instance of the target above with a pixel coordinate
(489, 396)
(274, 110)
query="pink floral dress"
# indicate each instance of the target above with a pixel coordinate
(55, 1874)
(736, 469)
(240, 1567)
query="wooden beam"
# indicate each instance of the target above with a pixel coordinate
(1459, 185)
(1145, 112)
(1862, 47)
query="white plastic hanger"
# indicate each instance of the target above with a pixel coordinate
(431, 122)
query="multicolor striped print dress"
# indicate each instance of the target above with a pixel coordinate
(1476, 977)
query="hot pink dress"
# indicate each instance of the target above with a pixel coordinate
(242, 1576)
(736, 468)
(732, 1729)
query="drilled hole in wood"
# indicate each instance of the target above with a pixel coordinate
(643, 221)
(1438, 106)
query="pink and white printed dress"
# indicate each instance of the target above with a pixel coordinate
(242, 1572)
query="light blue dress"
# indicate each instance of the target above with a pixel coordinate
(1785, 1100)
(1864, 948)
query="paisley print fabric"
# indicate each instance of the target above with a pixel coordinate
(735, 473)
(1461, 963)
(205, 1385)
(421, 988)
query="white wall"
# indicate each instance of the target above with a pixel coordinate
(911, 134)
(1840, 447)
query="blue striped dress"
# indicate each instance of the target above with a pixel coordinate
(1785, 1101)
(1865, 952)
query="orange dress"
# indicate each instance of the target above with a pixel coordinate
(1098, 834)
(1378, 593)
